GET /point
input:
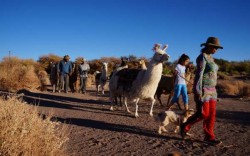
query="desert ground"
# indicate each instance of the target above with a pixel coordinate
(95, 130)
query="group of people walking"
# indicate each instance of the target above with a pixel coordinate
(204, 89)
(64, 69)
(204, 86)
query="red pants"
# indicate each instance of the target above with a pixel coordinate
(206, 111)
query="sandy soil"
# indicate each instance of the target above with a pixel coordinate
(95, 130)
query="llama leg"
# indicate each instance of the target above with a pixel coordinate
(136, 107)
(126, 105)
(111, 98)
(169, 99)
(152, 106)
(97, 88)
(54, 88)
(158, 96)
(102, 86)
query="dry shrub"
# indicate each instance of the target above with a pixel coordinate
(238, 88)
(90, 80)
(44, 80)
(18, 74)
(223, 76)
(23, 132)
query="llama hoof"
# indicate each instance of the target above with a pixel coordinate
(159, 132)
(136, 115)
(111, 108)
(129, 111)
(151, 114)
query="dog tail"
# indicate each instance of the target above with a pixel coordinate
(160, 117)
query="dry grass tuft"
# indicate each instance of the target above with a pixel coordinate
(238, 88)
(223, 76)
(18, 74)
(44, 80)
(23, 132)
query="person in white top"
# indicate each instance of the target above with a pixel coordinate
(83, 72)
(180, 83)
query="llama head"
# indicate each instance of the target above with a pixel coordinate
(141, 61)
(105, 65)
(124, 61)
(160, 53)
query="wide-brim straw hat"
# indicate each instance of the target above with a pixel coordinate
(212, 41)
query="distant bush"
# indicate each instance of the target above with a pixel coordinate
(234, 68)
(45, 60)
(237, 88)
(23, 132)
(223, 76)
(18, 74)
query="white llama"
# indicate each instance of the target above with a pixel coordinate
(101, 78)
(145, 84)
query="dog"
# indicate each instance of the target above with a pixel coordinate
(175, 117)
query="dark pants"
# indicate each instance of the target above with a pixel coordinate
(205, 111)
(64, 82)
(83, 81)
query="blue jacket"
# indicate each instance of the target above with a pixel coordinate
(64, 67)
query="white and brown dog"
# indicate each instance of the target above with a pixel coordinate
(175, 117)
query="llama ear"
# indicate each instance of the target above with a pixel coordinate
(165, 47)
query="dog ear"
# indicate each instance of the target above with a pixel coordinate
(162, 116)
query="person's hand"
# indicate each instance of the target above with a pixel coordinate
(197, 97)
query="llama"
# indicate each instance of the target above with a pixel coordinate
(73, 79)
(166, 85)
(114, 93)
(54, 76)
(143, 82)
(101, 78)
(142, 64)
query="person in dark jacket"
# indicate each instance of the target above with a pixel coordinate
(64, 70)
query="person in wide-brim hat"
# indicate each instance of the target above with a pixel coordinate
(205, 93)
(212, 41)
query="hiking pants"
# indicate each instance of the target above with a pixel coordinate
(206, 111)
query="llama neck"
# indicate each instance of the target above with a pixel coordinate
(104, 72)
(143, 66)
(153, 72)
(149, 80)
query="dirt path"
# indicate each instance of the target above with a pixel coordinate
(95, 130)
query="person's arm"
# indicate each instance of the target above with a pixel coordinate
(70, 68)
(58, 67)
(201, 64)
